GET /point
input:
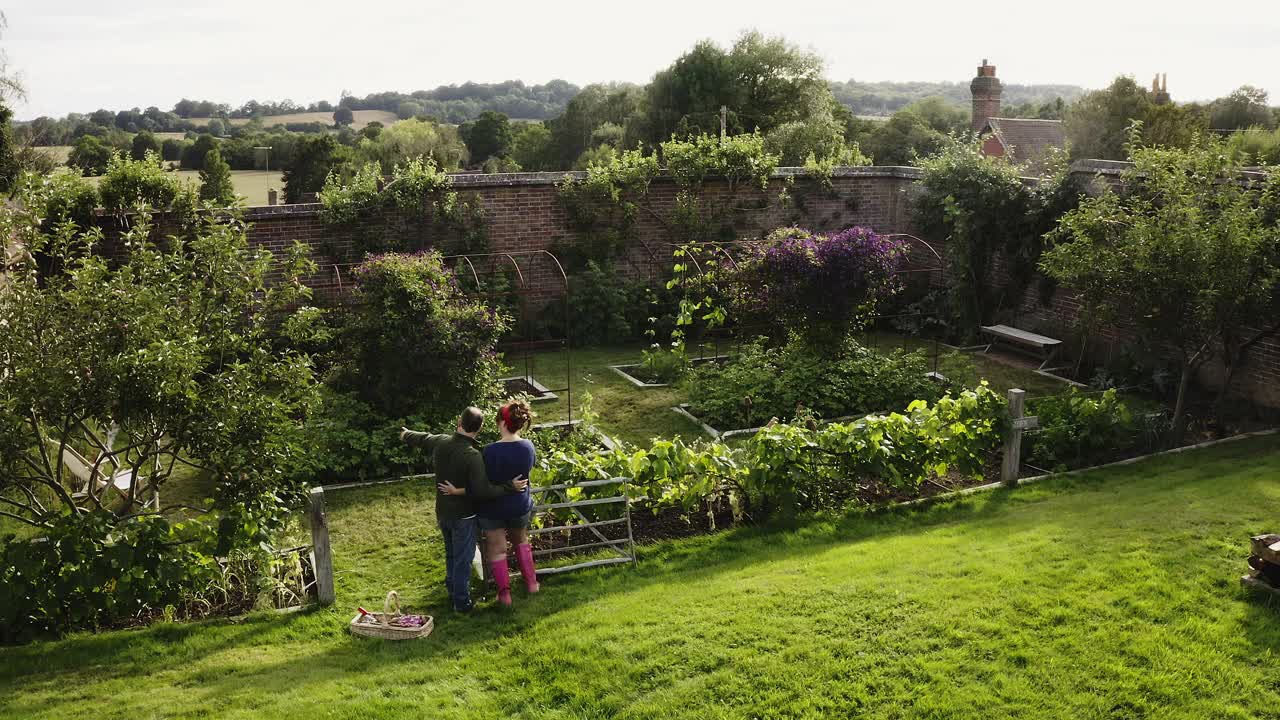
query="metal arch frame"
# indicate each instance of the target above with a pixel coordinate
(521, 292)
(717, 246)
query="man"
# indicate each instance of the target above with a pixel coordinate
(461, 478)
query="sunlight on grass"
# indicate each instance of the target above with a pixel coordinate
(1112, 594)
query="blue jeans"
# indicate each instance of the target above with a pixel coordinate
(459, 550)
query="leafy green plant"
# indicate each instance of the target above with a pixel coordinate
(419, 346)
(842, 379)
(1078, 429)
(983, 209)
(129, 184)
(411, 185)
(89, 573)
(785, 469)
(662, 364)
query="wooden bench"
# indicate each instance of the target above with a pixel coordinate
(1046, 346)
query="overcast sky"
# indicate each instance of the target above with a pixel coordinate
(79, 55)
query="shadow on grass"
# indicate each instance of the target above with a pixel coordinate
(314, 647)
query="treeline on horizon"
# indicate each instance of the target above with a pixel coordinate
(768, 86)
(459, 103)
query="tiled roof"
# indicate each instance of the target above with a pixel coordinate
(1026, 141)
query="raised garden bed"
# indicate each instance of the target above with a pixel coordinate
(629, 371)
(527, 385)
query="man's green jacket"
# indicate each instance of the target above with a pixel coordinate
(457, 460)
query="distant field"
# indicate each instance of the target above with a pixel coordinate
(362, 118)
(59, 153)
(251, 184)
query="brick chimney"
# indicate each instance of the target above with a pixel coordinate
(1160, 89)
(986, 89)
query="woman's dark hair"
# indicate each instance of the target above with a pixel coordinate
(515, 414)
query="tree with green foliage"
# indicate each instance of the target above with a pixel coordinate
(122, 377)
(130, 349)
(193, 155)
(589, 109)
(1255, 146)
(530, 144)
(1245, 107)
(217, 127)
(410, 139)
(1188, 253)
(10, 166)
(171, 149)
(940, 115)
(90, 155)
(143, 143)
(314, 158)
(215, 180)
(1097, 125)
(599, 156)
(901, 140)
(489, 136)
(820, 138)
(343, 116)
(763, 82)
(408, 109)
(419, 345)
(1175, 126)
(779, 81)
(685, 98)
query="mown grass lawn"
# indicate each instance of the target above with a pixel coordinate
(1108, 595)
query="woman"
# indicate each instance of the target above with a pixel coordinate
(507, 517)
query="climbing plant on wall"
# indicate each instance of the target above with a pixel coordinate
(417, 186)
(604, 206)
(982, 207)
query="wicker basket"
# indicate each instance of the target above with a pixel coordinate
(381, 626)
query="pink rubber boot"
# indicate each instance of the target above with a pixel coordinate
(524, 558)
(502, 578)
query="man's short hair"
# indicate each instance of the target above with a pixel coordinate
(471, 420)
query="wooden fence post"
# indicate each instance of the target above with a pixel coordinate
(1013, 438)
(320, 552)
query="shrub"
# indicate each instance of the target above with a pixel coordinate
(814, 284)
(193, 154)
(418, 345)
(598, 307)
(410, 187)
(90, 155)
(1077, 430)
(844, 379)
(130, 183)
(57, 198)
(215, 180)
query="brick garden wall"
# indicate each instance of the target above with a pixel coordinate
(523, 215)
